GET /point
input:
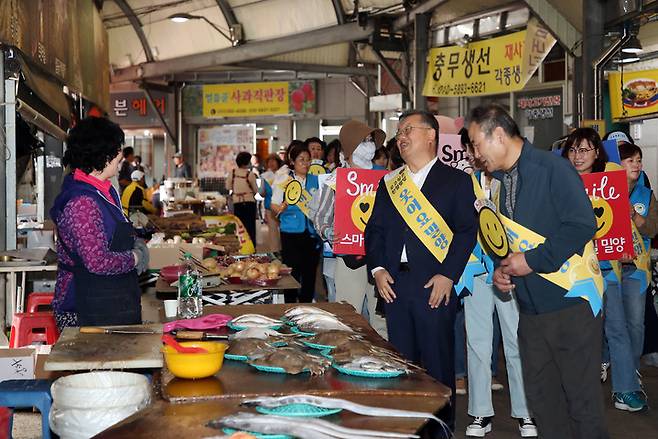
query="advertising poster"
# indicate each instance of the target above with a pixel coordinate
(218, 146)
(355, 198)
(608, 192)
(636, 97)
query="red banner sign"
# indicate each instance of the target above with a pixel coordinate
(355, 199)
(608, 192)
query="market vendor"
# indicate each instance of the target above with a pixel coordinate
(98, 256)
(134, 198)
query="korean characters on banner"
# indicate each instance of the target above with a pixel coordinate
(608, 192)
(355, 199)
(495, 65)
(259, 99)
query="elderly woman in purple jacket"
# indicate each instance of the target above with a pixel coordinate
(98, 255)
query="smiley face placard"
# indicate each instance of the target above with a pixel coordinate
(493, 232)
(608, 192)
(293, 192)
(355, 200)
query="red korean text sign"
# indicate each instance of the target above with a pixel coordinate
(608, 192)
(355, 199)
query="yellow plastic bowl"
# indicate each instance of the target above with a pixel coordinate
(195, 365)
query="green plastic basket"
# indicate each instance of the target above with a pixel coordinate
(367, 373)
(236, 357)
(298, 410)
(321, 347)
(242, 328)
(258, 435)
(272, 369)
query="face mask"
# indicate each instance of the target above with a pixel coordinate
(363, 154)
(341, 159)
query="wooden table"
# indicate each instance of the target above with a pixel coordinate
(75, 351)
(194, 403)
(176, 421)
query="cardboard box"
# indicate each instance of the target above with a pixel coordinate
(169, 254)
(17, 364)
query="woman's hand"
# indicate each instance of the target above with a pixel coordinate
(638, 219)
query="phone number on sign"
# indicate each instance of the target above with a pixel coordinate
(463, 88)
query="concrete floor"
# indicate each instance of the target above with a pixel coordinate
(621, 425)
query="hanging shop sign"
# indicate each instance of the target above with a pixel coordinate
(597, 125)
(496, 65)
(608, 192)
(634, 95)
(219, 146)
(258, 99)
(355, 200)
(539, 115)
(132, 109)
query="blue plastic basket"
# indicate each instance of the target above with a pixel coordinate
(298, 410)
(272, 369)
(236, 357)
(242, 328)
(296, 330)
(258, 435)
(321, 347)
(367, 373)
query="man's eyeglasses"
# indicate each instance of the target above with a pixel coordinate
(407, 130)
(576, 151)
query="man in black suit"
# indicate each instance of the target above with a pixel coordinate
(418, 289)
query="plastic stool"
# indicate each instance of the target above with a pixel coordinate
(6, 417)
(24, 324)
(35, 300)
(26, 394)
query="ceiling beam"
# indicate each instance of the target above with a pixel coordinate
(137, 27)
(557, 24)
(246, 52)
(303, 67)
(340, 13)
(228, 13)
(408, 18)
(249, 51)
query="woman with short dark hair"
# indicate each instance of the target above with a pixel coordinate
(99, 256)
(243, 187)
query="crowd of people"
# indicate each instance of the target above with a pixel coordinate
(432, 281)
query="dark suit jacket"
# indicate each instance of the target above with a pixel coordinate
(450, 191)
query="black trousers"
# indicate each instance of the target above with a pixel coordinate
(246, 211)
(424, 335)
(561, 359)
(301, 252)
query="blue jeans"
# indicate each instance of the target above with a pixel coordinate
(624, 330)
(460, 344)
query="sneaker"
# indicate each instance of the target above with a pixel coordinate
(527, 427)
(630, 401)
(460, 386)
(496, 385)
(604, 372)
(479, 427)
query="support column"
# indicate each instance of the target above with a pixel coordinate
(10, 160)
(3, 289)
(593, 26)
(421, 43)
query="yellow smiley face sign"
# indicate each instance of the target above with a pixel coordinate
(362, 209)
(316, 169)
(293, 192)
(493, 232)
(604, 217)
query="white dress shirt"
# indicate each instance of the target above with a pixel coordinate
(418, 179)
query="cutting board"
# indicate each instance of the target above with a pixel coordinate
(75, 351)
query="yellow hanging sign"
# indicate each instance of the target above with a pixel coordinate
(496, 65)
(637, 96)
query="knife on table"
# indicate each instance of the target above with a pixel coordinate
(183, 335)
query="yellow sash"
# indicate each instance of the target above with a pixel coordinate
(296, 195)
(579, 275)
(419, 214)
